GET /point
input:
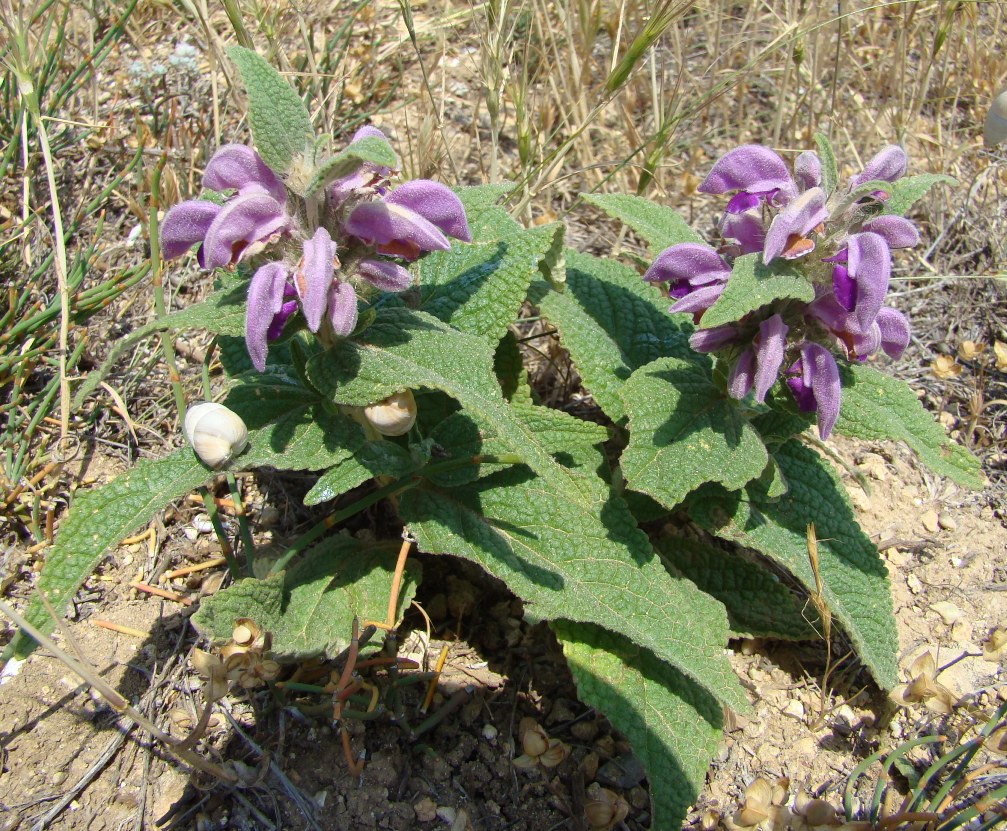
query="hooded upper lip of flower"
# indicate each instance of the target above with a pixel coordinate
(814, 382)
(226, 233)
(696, 275)
(417, 216)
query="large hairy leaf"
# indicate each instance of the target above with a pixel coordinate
(287, 427)
(758, 605)
(672, 723)
(281, 124)
(479, 287)
(309, 609)
(611, 323)
(753, 285)
(660, 226)
(854, 579)
(580, 560)
(685, 432)
(876, 406)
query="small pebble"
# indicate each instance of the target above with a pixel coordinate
(490, 732)
(425, 809)
(915, 586)
(447, 814)
(947, 610)
(930, 521)
(947, 522)
(794, 709)
(202, 524)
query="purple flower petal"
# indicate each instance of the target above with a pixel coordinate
(342, 308)
(796, 220)
(742, 201)
(692, 263)
(385, 275)
(808, 170)
(752, 168)
(314, 276)
(368, 131)
(742, 375)
(244, 220)
(844, 287)
(866, 344)
(711, 340)
(265, 300)
(698, 300)
(280, 319)
(395, 230)
(870, 264)
(897, 231)
(186, 224)
(894, 331)
(888, 165)
(237, 167)
(769, 354)
(434, 202)
(817, 386)
(744, 229)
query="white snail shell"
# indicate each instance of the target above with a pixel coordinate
(995, 130)
(216, 433)
(393, 416)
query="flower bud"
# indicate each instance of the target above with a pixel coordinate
(394, 416)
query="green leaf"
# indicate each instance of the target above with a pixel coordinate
(673, 724)
(659, 226)
(684, 432)
(753, 285)
(97, 520)
(830, 170)
(572, 442)
(758, 605)
(480, 197)
(875, 406)
(368, 150)
(309, 609)
(584, 561)
(405, 348)
(612, 323)
(908, 190)
(281, 124)
(287, 427)
(509, 368)
(221, 313)
(854, 579)
(479, 287)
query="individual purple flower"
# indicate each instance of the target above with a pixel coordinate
(752, 169)
(267, 301)
(314, 276)
(758, 366)
(814, 382)
(788, 234)
(695, 273)
(860, 276)
(714, 339)
(342, 308)
(414, 218)
(887, 165)
(239, 228)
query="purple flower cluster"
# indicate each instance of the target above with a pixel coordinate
(839, 241)
(363, 233)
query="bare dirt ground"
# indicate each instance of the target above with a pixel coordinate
(68, 761)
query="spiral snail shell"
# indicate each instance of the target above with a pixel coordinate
(995, 131)
(216, 433)
(394, 415)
